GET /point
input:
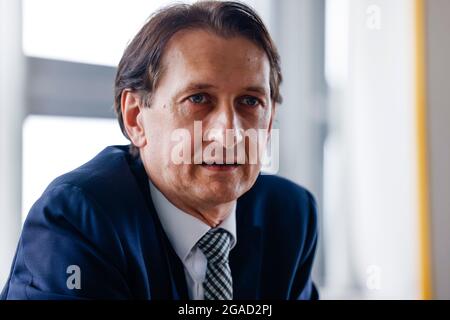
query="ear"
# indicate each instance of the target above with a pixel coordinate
(132, 114)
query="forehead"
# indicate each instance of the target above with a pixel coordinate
(192, 54)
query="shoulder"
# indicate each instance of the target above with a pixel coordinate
(112, 175)
(280, 202)
(93, 197)
(90, 205)
(101, 172)
(279, 190)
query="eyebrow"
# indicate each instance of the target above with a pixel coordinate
(202, 86)
(198, 86)
(257, 89)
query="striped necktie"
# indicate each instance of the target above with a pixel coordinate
(218, 284)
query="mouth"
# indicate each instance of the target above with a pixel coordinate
(220, 167)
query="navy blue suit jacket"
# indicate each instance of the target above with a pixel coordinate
(100, 217)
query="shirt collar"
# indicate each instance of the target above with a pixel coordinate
(183, 229)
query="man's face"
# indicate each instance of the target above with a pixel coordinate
(224, 84)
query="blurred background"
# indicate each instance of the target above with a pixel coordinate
(364, 124)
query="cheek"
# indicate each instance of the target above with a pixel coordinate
(265, 117)
(259, 119)
(158, 136)
(160, 123)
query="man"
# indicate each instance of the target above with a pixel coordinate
(144, 222)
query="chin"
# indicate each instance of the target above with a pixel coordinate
(222, 194)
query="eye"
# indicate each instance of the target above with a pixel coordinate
(198, 98)
(250, 101)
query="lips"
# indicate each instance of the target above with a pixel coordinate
(220, 167)
(206, 163)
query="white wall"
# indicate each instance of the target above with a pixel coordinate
(370, 180)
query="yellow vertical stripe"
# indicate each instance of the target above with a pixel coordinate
(421, 131)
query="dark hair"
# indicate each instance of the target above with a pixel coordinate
(140, 66)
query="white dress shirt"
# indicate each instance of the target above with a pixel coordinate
(183, 231)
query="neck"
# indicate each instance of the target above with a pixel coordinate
(211, 214)
(215, 215)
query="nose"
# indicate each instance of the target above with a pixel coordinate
(224, 127)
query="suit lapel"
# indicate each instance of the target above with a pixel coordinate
(175, 266)
(171, 268)
(245, 258)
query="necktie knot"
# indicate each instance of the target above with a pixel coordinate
(215, 245)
